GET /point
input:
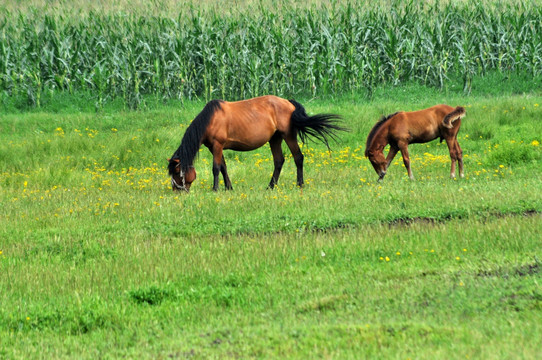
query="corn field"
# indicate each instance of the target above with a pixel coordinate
(341, 48)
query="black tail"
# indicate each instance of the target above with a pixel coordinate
(321, 126)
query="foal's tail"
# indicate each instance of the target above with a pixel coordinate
(321, 126)
(458, 113)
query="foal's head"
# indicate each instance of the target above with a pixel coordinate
(378, 161)
(180, 180)
(374, 149)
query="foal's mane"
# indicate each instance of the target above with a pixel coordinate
(375, 128)
(191, 141)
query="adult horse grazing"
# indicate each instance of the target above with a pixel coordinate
(247, 125)
(403, 128)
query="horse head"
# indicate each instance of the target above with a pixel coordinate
(181, 180)
(379, 162)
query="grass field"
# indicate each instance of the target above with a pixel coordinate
(100, 259)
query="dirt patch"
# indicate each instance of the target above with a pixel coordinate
(441, 220)
(414, 220)
(528, 213)
(326, 303)
(520, 270)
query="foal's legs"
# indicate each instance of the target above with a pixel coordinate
(278, 158)
(453, 155)
(459, 153)
(391, 154)
(291, 141)
(403, 146)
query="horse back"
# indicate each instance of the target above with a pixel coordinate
(249, 124)
(420, 126)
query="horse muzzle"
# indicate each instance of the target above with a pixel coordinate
(175, 186)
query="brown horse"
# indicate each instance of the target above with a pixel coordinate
(247, 125)
(403, 128)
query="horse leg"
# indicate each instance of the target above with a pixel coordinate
(453, 155)
(403, 146)
(459, 153)
(224, 171)
(391, 154)
(278, 158)
(217, 163)
(291, 141)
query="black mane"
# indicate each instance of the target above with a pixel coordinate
(191, 141)
(375, 129)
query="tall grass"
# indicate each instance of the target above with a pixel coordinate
(287, 51)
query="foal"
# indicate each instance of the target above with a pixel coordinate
(403, 128)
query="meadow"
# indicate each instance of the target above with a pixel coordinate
(100, 259)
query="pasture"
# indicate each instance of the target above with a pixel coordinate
(100, 258)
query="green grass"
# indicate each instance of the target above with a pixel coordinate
(463, 288)
(100, 259)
